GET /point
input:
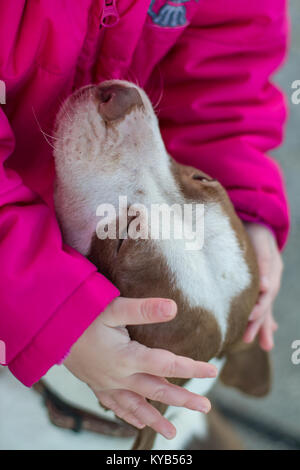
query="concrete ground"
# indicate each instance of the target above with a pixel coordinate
(280, 412)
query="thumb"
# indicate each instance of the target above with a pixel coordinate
(123, 311)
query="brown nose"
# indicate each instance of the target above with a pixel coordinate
(117, 100)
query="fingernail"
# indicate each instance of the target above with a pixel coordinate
(140, 425)
(166, 309)
(169, 434)
(203, 408)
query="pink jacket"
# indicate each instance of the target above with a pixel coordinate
(211, 60)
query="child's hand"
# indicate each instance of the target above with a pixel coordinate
(270, 268)
(123, 373)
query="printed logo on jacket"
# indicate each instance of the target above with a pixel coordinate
(170, 13)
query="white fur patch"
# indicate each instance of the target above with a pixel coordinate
(213, 276)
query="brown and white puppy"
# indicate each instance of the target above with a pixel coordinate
(109, 144)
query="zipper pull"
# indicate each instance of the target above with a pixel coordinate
(110, 16)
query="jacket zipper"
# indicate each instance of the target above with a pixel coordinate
(110, 16)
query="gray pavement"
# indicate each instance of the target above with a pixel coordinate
(281, 410)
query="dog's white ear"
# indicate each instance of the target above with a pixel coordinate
(248, 368)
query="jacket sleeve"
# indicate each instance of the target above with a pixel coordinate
(221, 113)
(49, 294)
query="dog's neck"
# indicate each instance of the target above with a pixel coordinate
(209, 278)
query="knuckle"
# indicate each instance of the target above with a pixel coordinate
(146, 309)
(138, 357)
(120, 412)
(169, 368)
(135, 407)
(130, 353)
(107, 402)
(154, 419)
(159, 394)
(114, 307)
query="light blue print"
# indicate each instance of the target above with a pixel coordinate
(171, 15)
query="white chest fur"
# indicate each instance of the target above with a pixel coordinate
(212, 276)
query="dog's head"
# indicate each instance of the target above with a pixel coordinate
(108, 144)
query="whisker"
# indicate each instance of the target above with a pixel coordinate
(51, 136)
(132, 77)
(155, 106)
(41, 130)
(65, 111)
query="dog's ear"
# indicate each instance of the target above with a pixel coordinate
(248, 368)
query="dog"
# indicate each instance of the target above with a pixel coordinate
(108, 143)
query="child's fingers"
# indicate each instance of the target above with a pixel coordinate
(127, 404)
(158, 389)
(252, 330)
(266, 333)
(256, 313)
(125, 311)
(106, 399)
(263, 305)
(266, 326)
(163, 363)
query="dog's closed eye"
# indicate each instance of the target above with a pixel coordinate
(197, 176)
(125, 235)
